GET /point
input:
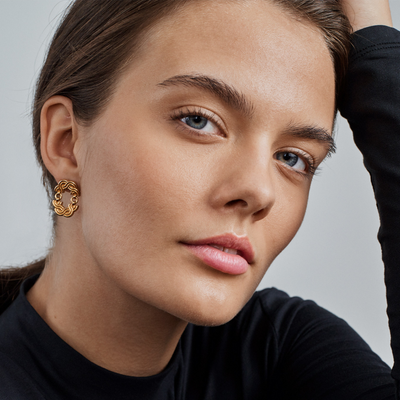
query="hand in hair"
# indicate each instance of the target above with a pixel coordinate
(364, 13)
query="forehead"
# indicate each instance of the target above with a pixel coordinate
(253, 45)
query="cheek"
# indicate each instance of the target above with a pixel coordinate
(138, 190)
(124, 184)
(284, 220)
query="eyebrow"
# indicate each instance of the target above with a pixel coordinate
(238, 101)
(314, 133)
(228, 94)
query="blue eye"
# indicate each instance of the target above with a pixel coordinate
(195, 121)
(292, 160)
(200, 123)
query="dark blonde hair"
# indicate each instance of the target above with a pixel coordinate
(95, 41)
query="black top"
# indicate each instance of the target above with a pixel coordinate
(277, 347)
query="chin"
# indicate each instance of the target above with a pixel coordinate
(210, 318)
(211, 310)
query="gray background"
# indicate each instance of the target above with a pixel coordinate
(334, 259)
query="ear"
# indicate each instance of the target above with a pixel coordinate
(59, 135)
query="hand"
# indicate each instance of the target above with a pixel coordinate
(364, 13)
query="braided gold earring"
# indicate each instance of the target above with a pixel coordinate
(59, 209)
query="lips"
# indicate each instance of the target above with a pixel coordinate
(227, 253)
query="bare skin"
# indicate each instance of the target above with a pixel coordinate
(119, 286)
(364, 13)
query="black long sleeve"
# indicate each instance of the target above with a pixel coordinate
(278, 347)
(371, 103)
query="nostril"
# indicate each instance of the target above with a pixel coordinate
(237, 202)
(260, 213)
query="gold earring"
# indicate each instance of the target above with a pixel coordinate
(59, 209)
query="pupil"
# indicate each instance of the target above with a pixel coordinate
(290, 158)
(196, 121)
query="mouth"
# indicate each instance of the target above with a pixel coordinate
(227, 253)
(224, 249)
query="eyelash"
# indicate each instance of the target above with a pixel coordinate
(308, 160)
(180, 114)
(183, 113)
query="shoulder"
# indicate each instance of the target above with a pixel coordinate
(268, 324)
(270, 316)
(15, 382)
(286, 318)
(283, 309)
(297, 323)
(258, 347)
(17, 365)
(275, 329)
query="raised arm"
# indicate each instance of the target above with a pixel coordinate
(370, 101)
(365, 13)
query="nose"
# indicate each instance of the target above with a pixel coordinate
(245, 187)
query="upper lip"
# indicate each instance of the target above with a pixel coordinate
(240, 243)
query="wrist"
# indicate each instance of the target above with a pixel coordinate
(365, 13)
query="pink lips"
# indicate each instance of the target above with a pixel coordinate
(221, 260)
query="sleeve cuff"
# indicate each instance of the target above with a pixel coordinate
(373, 38)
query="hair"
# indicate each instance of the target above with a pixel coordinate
(93, 45)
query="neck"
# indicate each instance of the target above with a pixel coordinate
(108, 326)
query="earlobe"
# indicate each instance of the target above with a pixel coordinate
(59, 134)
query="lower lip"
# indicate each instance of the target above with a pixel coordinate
(232, 264)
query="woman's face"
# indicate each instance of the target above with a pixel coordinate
(214, 129)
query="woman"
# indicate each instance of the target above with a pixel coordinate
(191, 163)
